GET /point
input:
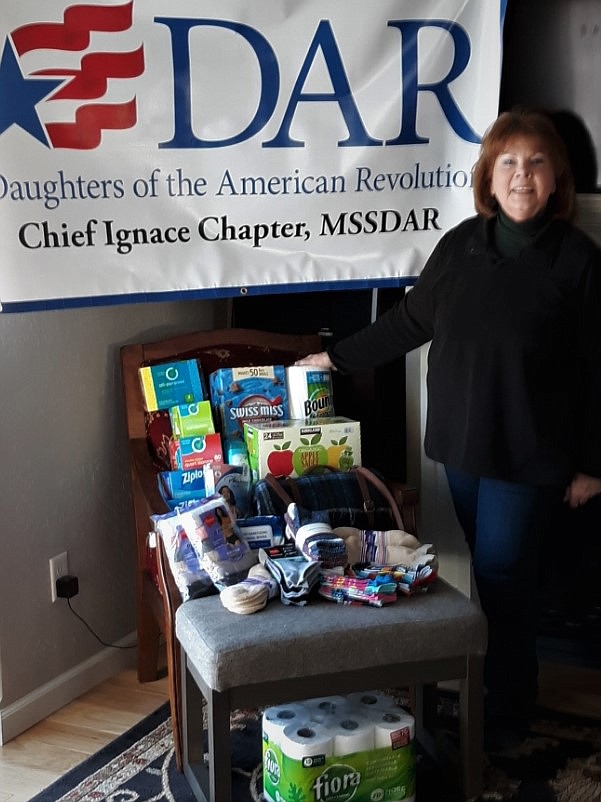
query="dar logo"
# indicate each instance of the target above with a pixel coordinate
(68, 66)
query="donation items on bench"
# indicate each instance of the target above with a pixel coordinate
(222, 445)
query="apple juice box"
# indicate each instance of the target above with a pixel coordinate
(188, 420)
(171, 383)
(247, 394)
(293, 447)
(186, 453)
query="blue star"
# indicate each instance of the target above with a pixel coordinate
(19, 96)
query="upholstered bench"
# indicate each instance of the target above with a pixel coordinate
(284, 653)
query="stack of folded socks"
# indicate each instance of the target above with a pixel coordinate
(252, 594)
(376, 592)
(296, 575)
(315, 538)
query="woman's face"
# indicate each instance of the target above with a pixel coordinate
(522, 178)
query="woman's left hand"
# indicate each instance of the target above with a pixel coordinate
(581, 489)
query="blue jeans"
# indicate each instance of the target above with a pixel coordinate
(505, 526)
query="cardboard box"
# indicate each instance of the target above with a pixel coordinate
(293, 447)
(248, 394)
(189, 420)
(171, 383)
(186, 453)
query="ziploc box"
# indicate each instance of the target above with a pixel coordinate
(186, 453)
(171, 383)
(293, 447)
(188, 420)
(257, 393)
(178, 486)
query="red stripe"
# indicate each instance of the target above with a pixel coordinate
(74, 32)
(86, 132)
(91, 80)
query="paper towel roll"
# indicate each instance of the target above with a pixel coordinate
(301, 741)
(373, 700)
(352, 733)
(325, 708)
(309, 392)
(277, 718)
(393, 729)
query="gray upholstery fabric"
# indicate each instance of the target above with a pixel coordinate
(284, 642)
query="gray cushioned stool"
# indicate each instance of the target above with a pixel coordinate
(285, 653)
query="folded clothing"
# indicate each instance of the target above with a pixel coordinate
(252, 594)
(315, 538)
(408, 579)
(376, 591)
(296, 575)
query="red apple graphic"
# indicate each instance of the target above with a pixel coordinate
(279, 461)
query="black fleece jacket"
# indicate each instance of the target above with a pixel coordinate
(514, 366)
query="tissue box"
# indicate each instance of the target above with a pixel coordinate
(248, 394)
(293, 447)
(188, 420)
(170, 384)
(186, 453)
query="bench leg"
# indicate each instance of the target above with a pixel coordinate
(471, 727)
(210, 781)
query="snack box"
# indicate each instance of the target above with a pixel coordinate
(186, 453)
(171, 383)
(188, 420)
(293, 447)
(248, 394)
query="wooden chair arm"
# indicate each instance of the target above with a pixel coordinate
(144, 473)
(406, 497)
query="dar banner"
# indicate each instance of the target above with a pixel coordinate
(154, 149)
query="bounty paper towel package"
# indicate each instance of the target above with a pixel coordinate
(310, 393)
(336, 749)
(293, 447)
(247, 394)
(171, 383)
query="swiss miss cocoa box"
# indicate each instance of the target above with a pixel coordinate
(247, 394)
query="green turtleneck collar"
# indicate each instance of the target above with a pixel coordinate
(511, 237)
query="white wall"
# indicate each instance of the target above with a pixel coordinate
(64, 486)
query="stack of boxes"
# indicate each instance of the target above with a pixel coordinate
(269, 419)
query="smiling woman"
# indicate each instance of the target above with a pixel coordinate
(511, 301)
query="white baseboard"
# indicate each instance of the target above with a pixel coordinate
(45, 700)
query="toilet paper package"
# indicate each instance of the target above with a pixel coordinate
(310, 393)
(348, 753)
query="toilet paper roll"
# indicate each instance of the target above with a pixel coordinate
(326, 708)
(373, 700)
(393, 729)
(301, 741)
(277, 718)
(352, 733)
(309, 392)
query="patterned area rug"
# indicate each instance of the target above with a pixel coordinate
(558, 760)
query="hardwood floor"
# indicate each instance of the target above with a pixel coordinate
(48, 750)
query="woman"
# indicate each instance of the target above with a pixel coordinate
(511, 302)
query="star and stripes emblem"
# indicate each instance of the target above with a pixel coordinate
(66, 81)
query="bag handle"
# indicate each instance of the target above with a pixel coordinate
(364, 478)
(365, 475)
(278, 490)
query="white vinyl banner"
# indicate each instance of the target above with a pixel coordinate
(157, 149)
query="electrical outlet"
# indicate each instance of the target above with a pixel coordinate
(59, 566)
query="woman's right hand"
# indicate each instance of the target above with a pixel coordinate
(321, 360)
